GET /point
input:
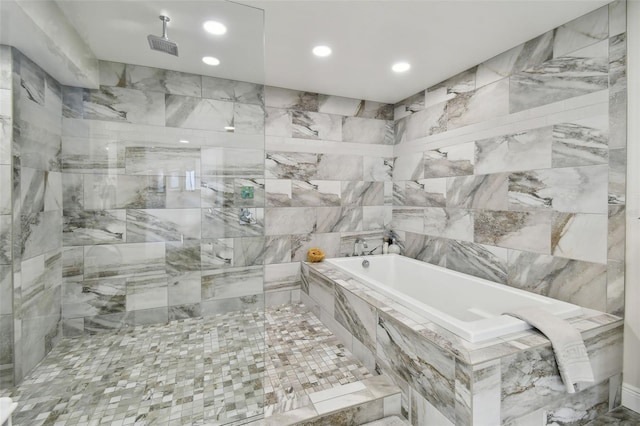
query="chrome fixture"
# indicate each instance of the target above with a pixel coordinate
(163, 44)
(365, 263)
(359, 246)
(246, 217)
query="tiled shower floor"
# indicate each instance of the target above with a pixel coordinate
(194, 371)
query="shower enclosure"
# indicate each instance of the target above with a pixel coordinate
(135, 200)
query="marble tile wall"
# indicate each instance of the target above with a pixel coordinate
(31, 219)
(151, 225)
(513, 170)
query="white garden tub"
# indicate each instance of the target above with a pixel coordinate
(470, 307)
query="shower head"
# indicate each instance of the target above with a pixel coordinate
(163, 44)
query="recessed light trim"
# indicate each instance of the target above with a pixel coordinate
(210, 60)
(401, 67)
(184, 141)
(214, 27)
(322, 51)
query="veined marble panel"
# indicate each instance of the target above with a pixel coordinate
(463, 82)
(529, 231)
(278, 192)
(249, 251)
(161, 80)
(409, 194)
(425, 248)
(315, 193)
(618, 63)
(52, 191)
(521, 57)
(615, 288)
(182, 191)
(339, 167)
(146, 292)
(6, 127)
(217, 253)
(296, 220)
(301, 243)
(112, 73)
(455, 160)
(37, 230)
(214, 307)
(85, 227)
(580, 408)
(527, 150)
(197, 113)
(617, 17)
(456, 224)
(290, 99)
(409, 219)
(408, 167)
(376, 218)
(478, 192)
(350, 107)
(485, 103)
(6, 67)
(248, 119)
(367, 130)
(362, 193)
(93, 297)
(232, 90)
(6, 289)
(72, 264)
(39, 274)
(225, 223)
(217, 191)
(92, 155)
(184, 288)
(357, 316)
(427, 368)
(73, 102)
(478, 260)
(6, 176)
(572, 189)
(617, 176)
(285, 276)
(617, 233)
(409, 105)
(426, 122)
(234, 282)
(581, 32)
(556, 80)
(573, 281)
(312, 125)
(32, 188)
(277, 249)
(5, 240)
(123, 191)
(378, 169)
(163, 225)
(124, 105)
(183, 256)
(124, 260)
(233, 162)
(162, 161)
(617, 120)
(581, 143)
(278, 122)
(36, 131)
(31, 78)
(580, 236)
(338, 219)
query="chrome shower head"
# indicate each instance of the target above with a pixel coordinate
(163, 44)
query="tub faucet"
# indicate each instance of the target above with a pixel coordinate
(359, 246)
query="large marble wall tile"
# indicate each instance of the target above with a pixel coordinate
(427, 368)
(233, 282)
(339, 167)
(408, 167)
(519, 230)
(253, 303)
(6, 290)
(617, 233)
(430, 121)
(196, 113)
(456, 224)
(39, 274)
(357, 316)
(483, 104)
(92, 155)
(182, 256)
(427, 249)
(162, 161)
(6, 342)
(573, 281)
(580, 408)
(31, 78)
(378, 169)
(217, 253)
(249, 251)
(366, 130)
(285, 276)
(72, 191)
(278, 192)
(581, 32)
(84, 227)
(556, 80)
(161, 80)
(376, 218)
(617, 176)
(409, 219)
(124, 260)
(315, 193)
(184, 288)
(182, 191)
(290, 99)
(478, 192)
(32, 188)
(521, 57)
(217, 191)
(615, 288)
(617, 17)
(579, 236)
(5, 239)
(163, 225)
(457, 160)
(248, 119)
(6, 181)
(571, 189)
(311, 125)
(37, 230)
(232, 90)
(52, 191)
(409, 105)
(463, 82)
(72, 102)
(6, 126)
(478, 260)
(425, 414)
(146, 292)
(581, 143)
(618, 63)
(233, 162)
(362, 193)
(277, 249)
(41, 327)
(339, 219)
(225, 223)
(72, 264)
(304, 166)
(36, 133)
(526, 150)
(123, 191)
(277, 122)
(6, 67)
(282, 221)
(94, 297)
(124, 105)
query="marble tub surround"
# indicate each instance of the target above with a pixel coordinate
(519, 161)
(502, 381)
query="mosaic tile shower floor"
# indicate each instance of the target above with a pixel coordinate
(193, 371)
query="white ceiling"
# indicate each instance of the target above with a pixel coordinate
(438, 37)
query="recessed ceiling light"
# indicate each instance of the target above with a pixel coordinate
(214, 27)
(210, 60)
(184, 141)
(401, 67)
(229, 128)
(322, 51)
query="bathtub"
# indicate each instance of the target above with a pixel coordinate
(470, 307)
